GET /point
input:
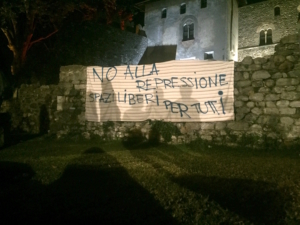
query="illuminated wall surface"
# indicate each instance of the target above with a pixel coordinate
(261, 16)
(215, 27)
(189, 90)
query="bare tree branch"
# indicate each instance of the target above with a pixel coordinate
(8, 36)
(42, 38)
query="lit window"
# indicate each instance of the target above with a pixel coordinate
(269, 37)
(209, 55)
(262, 38)
(188, 31)
(182, 8)
(277, 11)
(203, 3)
(265, 37)
(164, 13)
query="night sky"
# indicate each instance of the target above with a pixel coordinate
(6, 56)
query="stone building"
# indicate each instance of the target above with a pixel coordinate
(199, 29)
(263, 24)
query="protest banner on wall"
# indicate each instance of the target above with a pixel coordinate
(177, 91)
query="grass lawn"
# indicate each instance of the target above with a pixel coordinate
(44, 181)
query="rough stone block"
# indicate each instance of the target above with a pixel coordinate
(242, 68)
(238, 76)
(296, 129)
(250, 118)
(207, 126)
(243, 98)
(291, 58)
(269, 66)
(277, 75)
(286, 66)
(246, 75)
(243, 110)
(80, 86)
(264, 90)
(238, 126)
(256, 127)
(192, 126)
(260, 75)
(239, 116)
(278, 90)
(244, 83)
(287, 111)
(236, 91)
(271, 111)
(279, 58)
(260, 60)
(290, 95)
(220, 125)
(255, 67)
(283, 103)
(272, 97)
(261, 104)
(257, 97)
(238, 104)
(295, 104)
(287, 81)
(294, 73)
(247, 60)
(289, 39)
(290, 88)
(268, 120)
(270, 83)
(256, 111)
(297, 122)
(258, 83)
(286, 121)
(61, 99)
(271, 104)
(246, 90)
(250, 104)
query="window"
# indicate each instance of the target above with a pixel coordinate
(209, 55)
(277, 11)
(188, 31)
(203, 3)
(164, 13)
(182, 8)
(265, 37)
(262, 38)
(269, 37)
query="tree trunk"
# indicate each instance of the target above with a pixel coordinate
(17, 62)
(19, 54)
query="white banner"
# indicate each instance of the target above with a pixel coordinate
(178, 91)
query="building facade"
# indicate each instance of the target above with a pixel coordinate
(200, 29)
(262, 25)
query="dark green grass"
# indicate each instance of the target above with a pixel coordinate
(44, 181)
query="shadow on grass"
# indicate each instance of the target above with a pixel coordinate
(136, 140)
(260, 202)
(87, 193)
(13, 172)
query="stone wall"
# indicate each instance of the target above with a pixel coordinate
(32, 108)
(267, 104)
